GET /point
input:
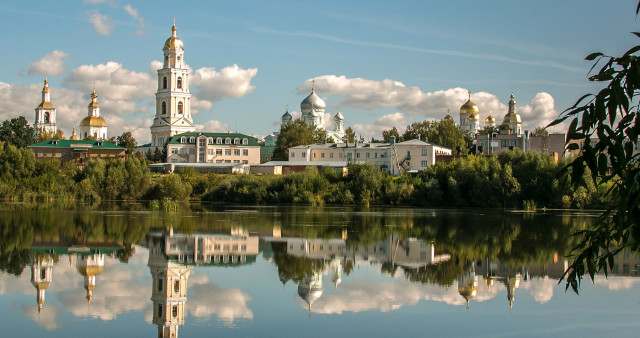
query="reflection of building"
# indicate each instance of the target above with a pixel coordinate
(310, 288)
(41, 275)
(90, 266)
(468, 284)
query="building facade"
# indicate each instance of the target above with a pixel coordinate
(173, 99)
(213, 148)
(79, 151)
(45, 122)
(396, 158)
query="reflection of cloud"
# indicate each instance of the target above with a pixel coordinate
(541, 289)
(228, 304)
(617, 283)
(47, 319)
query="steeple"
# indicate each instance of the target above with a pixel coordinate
(45, 121)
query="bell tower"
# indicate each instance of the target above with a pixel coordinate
(45, 113)
(173, 99)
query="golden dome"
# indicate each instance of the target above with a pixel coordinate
(512, 118)
(469, 107)
(41, 285)
(73, 137)
(474, 116)
(490, 119)
(174, 43)
(93, 121)
(91, 270)
(46, 105)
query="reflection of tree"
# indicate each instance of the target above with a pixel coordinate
(291, 267)
(443, 274)
(14, 262)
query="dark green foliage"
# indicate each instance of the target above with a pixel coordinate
(349, 135)
(608, 125)
(17, 132)
(293, 134)
(444, 133)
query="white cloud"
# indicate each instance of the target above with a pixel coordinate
(540, 112)
(102, 24)
(153, 68)
(228, 304)
(214, 126)
(385, 122)
(232, 82)
(135, 15)
(50, 64)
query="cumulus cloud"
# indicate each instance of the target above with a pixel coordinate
(385, 122)
(139, 127)
(214, 126)
(228, 304)
(120, 90)
(541, 289)
(142, 30)
(153, 67)
(102, 24)
(50, 64)
(540, 112)
(232, 82)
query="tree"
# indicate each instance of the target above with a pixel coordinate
(44, 136)
(386, 135)
(608, 124)
(349, 135)
(18, 132)
(444, 133)
(127, 141)
(540, 131)
(292, 134)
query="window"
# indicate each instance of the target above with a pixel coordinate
(210, 140)
(202, 142)
(192, 151)
(179, 107)
(218, 151)
(174, 151)
(183, 139)
(245, 162)
(227, 140)
(424, 163)
(227, 151)
(201, 157)
(159, 284)
(218, 161)
(503, 143)
(304, 154)
(210, 151)
(159, 310)
(216, 247)
(219, 140)
(423, 255)
(192, 140)
(176, 286)
(322, 155)
(174, 311)
(183, 150)
(293, 154)
(424, 151)
(236, 152)
(179, 82)
(164, 82)
(245, 142)
(367, 155)
(340, 155)
(227, 161)
(358, 155)
(330, 155)
(245, 152)
(236, 141)
(314, 155)
(46, 117)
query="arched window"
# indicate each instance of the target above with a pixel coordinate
(236, 141)
(164, 82)
(95, 134)
(192, 139)
(176, 286)
(179, 107)
(245, 141)
(164, 107)
(85, 134)
(46, 117)
(227, 140)
(179, 82)
(219, 140)
(183, 139)
(210, 140)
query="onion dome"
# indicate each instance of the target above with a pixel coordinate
(173, 43)
(474, 116)
(94, 102)
(312, 101)
(93, 121)
(490, 119)
(512, 117)
(448, 116)
(338, 115)
(45, 89)
(286, 116)
(469, 107)
(90, 270)
(468, 290)
(73, 137)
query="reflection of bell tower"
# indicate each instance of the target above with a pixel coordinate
(169, 290)
(90, 266)
(41, 273)
(310, 288)
(336, 271)
(468, 284)
(512, 283)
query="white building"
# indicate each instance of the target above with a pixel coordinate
(93, 125)
(45, 122)
(469, 116)
(396, 158)
(173, 99)
(313, 114)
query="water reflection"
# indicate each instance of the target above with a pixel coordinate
(129, 264)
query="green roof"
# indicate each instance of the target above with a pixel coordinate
(252, 140)
(77, 144)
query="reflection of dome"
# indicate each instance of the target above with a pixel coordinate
(91, 270)
(309, 293)
(174, 42)
(93, 121)
(312, 101)
(41, 285)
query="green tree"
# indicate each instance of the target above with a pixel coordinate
(349, 135)
(444, 133)
(44, 136)
(18, 132)
(386, 134)
(292, 134)
(608, 124)
(127, 141)
(540, 131)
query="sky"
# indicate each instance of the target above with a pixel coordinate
(383, 63)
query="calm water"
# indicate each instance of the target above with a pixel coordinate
(313, 272)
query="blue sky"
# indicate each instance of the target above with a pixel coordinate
(385, 63)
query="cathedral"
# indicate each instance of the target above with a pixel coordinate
(470, 118)
(173, 99)
(93, 125)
